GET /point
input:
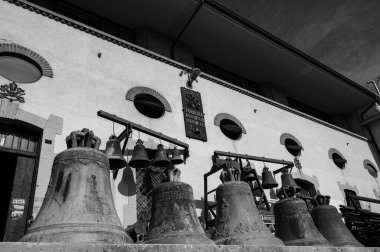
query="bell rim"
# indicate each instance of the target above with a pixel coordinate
(65, 230)
(161, 163)
(177, 162)
(271, 187)
(308, 242)
(133, 165)
(250, 238)
(182, 238)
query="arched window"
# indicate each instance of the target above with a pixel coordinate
(337, 158)
(22, 65)
(149, 105)
(371, 168)
(230, 126)
(148, 101)
(292, 144)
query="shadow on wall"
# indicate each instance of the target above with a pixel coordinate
(127, 185)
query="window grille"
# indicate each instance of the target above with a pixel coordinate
(146, 180)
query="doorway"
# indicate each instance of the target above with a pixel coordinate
(19, 149)
(8, 165)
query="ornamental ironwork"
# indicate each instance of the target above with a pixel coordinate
(12, 92)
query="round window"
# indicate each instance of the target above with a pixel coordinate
(230, 129)
(293, 147)
(338, 160)
(372, 170)
(19, 68)
(149, 105)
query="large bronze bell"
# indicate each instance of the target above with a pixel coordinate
(78, 205)
(288, 181)
(330, 224)
(139, 157)
(238, 221)
(113, 152)
(268, 180)
(176, 157)
(174, 219)
(293, 222)
(161, 159)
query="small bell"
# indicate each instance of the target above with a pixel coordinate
(288, 181)
(140, 157)
(161, 159)
(176, 157)
(268, 180)
(247, 174)
(114, 154)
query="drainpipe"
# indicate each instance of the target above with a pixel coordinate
(172, 54)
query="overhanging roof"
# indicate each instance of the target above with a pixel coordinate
(225, 39)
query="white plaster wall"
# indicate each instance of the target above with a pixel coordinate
(84, 84)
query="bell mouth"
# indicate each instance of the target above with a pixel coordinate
(161, 163)
(139, 164)
(177, 162)
(116, 164)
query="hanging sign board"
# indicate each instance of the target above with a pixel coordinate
(193, 114)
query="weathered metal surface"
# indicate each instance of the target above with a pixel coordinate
(140, 157)
(114, 154)
(268, 180)
(288, 181)
(238, 221)
(176, 157)
(330, 224)
(294, 225)
(78, 206)
(161, 159)
(193, 114)
(174, 219)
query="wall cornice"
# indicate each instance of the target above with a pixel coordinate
(102, 35)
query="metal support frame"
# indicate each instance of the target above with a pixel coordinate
(362, 223)
(218, 165)
(352, 198)
(129, 126)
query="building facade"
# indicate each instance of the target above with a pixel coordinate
(69, 71)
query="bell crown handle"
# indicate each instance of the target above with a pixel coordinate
(83, 138)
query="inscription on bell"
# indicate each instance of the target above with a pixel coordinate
(175, 196)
